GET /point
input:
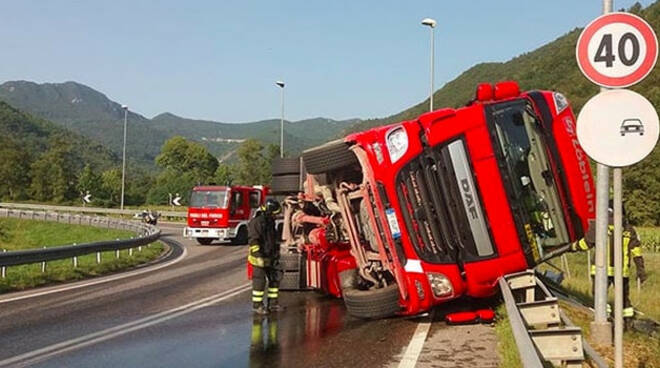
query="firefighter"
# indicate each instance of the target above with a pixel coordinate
(631, 250)
(264, 255)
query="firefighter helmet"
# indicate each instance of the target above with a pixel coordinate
(271, 207)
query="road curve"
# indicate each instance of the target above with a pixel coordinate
(195, 312)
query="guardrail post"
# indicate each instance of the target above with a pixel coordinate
(130, 252)
(75, 259)
(4, 269)
(140, 248)
(98, 257)
(43, 265)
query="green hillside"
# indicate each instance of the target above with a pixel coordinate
(553, 67)
(34, 150)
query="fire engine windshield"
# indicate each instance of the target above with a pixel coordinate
(209, 199)
(535, 199)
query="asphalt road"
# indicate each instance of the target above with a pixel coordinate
(193, 310)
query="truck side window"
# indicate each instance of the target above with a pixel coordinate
(236, 201)
(255, 199)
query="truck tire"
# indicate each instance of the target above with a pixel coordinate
(290, 262)
(286, 166)
(372, 303)
(330, 156)
(285, 184)
(241, 237)
(205, 241)
(290, 281)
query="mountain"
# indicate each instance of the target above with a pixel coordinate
(92, 114)
(553, 67)
(224, 137)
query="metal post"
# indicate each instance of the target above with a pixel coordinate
(432, 67)
(123, 160)
(75, 261)
(117, 253)
(4, 269)
(43, 265)
(282, 121)
(98, 257)
(130, 252)
(601, 329)
(618, 271)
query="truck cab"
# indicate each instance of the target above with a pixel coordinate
(222, 212)
(443, 205)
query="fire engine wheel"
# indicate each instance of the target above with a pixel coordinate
(330, 156)
(285, 184)
(286, 166)
(205, 241)
(241, 237)
(373, 303)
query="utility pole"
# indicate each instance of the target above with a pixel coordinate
(281, 85)
(123, 160)
(431, 24)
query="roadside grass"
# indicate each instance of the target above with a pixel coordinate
(27, 234)
(506, 344)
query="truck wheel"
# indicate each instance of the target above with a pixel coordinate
(290, 262)
(372, 303)
(285, 166)
(285, 184)
(330, 156)
(205, 241)
(290, 281)
(241, 237)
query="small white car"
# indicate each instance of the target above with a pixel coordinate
(632, 126)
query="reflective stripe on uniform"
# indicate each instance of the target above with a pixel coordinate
(254, 248)
(635, 252)
(256, 261)
(257, 296)
(273, 292)
(628, 312)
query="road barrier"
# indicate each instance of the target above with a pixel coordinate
(97, 210)
(541, 331)
(145, 234)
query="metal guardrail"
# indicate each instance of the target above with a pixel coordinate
(536, 321)
(97, 210)
(146, 234)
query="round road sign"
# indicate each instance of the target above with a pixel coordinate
(617, 50)
(618, 127)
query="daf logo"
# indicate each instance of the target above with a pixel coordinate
(468, 197)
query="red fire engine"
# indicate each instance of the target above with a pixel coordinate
(399, 218)
(222, 212)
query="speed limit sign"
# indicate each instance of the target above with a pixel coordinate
(617, 50)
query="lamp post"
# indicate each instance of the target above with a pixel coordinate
(123, 160)
(281, 85)
(431, 23)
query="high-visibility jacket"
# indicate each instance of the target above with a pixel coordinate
(262, 238)
(631, 249)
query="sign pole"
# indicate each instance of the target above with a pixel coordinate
(601, 328)
(618, 270)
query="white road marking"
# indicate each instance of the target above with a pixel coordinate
(98, 281)
(38, 355)
(414, 349)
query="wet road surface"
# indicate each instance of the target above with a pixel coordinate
(197, 313)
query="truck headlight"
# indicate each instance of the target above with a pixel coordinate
(440, 284)
(397, 143)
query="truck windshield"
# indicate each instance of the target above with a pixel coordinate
(524, 162)
(216, 198)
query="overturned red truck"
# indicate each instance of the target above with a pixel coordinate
(399, 218)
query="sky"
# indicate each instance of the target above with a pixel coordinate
(219, 60)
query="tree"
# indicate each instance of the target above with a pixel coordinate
(14, 170)
(186, 156)
(253, 166)
(111, 185)
(224, 175)
(89, 181)
(53, 174)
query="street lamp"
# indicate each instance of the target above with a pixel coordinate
(431, 23)
(123, 160)
(281, 85)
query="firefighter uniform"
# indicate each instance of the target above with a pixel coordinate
(631, 250)
(264, 254)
